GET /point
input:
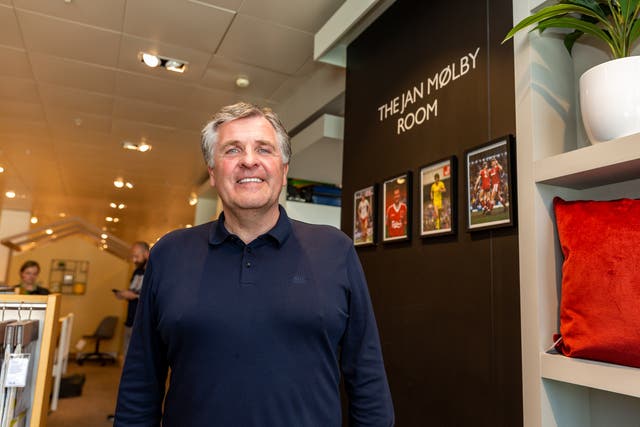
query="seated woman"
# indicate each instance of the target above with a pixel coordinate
(28, 276)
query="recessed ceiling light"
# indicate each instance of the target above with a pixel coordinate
(10, 194)
(150, 60)
(242, 81)
(104, 235)
(108, 218)
(116, 219)
(188, 226)
(128, 185)
(48, 231)
(1, 169)
(193, 199)
(113, 205)
(62, 215)
(141, 147)
(118, 183)
(34, 220)
(122, 206)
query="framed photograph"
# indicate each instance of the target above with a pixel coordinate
(490, 182)
(364, 216)
(437, 198)
(396, 194)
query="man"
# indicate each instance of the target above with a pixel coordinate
(364, 214)
(256, 315)
(495, 174)
(139, 256)
(484, 182)
(437, 188)
(397, 216)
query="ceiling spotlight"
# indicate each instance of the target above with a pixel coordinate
(150, 60)
(141, 147)
(193, 199)
(34, 220)
(122, 206)
(1, 169)
(127, 145)
(49, 231)
(169, 64)
(188, 226)
(242, 81)
(119, 183)
(113, 205)
(116, 219)
(104, 235)
(108, 219)
(10, 194)
(128, 185)
(62, 215)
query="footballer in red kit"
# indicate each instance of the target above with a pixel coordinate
(396, 217)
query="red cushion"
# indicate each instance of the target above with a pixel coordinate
(600, 304)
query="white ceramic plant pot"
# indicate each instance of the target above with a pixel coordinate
(610, 99)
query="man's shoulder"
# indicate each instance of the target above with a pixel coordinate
(181, 237)
(318, 233)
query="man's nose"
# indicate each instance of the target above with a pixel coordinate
(249, 158)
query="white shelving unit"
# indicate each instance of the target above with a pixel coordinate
(553, 159)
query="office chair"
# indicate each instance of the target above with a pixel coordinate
(105, 331)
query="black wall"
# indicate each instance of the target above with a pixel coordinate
(447, 308)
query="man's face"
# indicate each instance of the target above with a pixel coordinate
(29, 275)
(248, 172)
(139, 255)
(396, 196)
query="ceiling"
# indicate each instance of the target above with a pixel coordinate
(72, 89)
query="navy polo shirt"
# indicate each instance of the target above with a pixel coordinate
(254, 335)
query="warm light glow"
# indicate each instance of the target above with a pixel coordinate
(103, 241)
(34, 220)
(62, 215)
(116, 219)
(128, 185)
(193, 199)
(242, 81)
(105, 246)
(129, 146)
(108, 219)
(150, 60)
(1, 169)
(104, 235)
(10, 194)
(48, 231)
(122, 206)
(144, 147)
(175, 66)
(119, 183)
(188, 226)
(113, 205)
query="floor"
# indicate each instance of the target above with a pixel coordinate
(98, 398)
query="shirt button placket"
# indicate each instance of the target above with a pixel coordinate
(248, 266)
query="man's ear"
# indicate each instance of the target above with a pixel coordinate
(285, 171)
(212, 179)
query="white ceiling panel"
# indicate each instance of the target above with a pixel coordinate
(67, 118)
(146, 112)
(99, 13)
(189, 24)
(52, 70)
(74, 41)
(77, 100)
(222, 74)
(307, 15)
(15, 63)
(19, 89)
(35, 130)
(233, 5)
(267, 45)
(210, 100)
(131, 47)
(21, 110)
(9, 30)
(145, 88)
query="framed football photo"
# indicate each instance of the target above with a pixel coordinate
(396, 194)
(437, 198)
(364, 216)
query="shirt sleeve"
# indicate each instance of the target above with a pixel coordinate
(361, 357)
(142, 385)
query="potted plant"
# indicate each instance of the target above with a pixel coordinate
(609, 92)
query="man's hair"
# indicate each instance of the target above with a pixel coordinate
(29, 264)
(237, 111)
(143, 245)
(436, 176)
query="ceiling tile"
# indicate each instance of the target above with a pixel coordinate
(19, 89)
(124, 129)
(99, 13)
(225, 4)
(9, 29)
(194, 25)
(74, 41)
(210, 100)
(21, 110)
(223, 72)
(267, 45)
(144, 112)
(15, 63)
(77, 100)
(146, 88)
(132, 46)
(52, 70)
(87, 122)
(307, 15)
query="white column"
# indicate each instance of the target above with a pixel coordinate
(11, 222)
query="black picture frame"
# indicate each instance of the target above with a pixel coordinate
(365, 216)
(490, 184)
(396, 212)
(438, 207)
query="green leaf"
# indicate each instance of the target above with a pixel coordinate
(585, 27)
(550, 12)
(571, 38)
(635, 32)
(593, 5)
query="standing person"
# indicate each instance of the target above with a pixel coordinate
(397, 216)
(139, 256)
(495, 173)
(364, 215)
(256, 314)
(29, 272)
(484, 182)
(437, 188)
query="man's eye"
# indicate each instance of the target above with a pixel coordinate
(232, 150)
(264, 150)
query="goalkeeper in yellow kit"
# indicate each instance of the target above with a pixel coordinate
(437, 188)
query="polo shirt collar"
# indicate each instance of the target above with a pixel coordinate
(218, 233)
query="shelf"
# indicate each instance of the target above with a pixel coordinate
(589, 373)
(600, 164)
